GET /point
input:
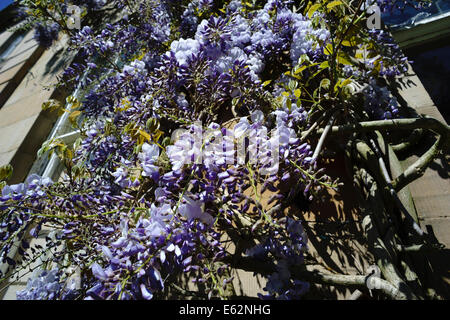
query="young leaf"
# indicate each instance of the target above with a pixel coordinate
(346, 43)
(342, 59)
(313, 9)
(333, 4)
(328, 49)
(145, 135)
(300, 69)
(324, 65)
(51, 105)
(6, 172)
(73, 116)
(325, 83)
(346, 82)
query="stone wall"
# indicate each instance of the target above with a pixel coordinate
(26, 82)
(26, 79)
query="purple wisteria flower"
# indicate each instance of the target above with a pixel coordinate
(148, 156)
(219, 82)
(192, 209)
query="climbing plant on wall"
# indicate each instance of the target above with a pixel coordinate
(192, 110)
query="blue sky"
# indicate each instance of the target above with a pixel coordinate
(5, 3)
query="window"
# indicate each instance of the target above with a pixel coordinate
(424, 37)
(409, 16)
(8, 47)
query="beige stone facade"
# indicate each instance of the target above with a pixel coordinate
(25, 76)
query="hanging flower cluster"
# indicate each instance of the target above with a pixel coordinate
(141, 206)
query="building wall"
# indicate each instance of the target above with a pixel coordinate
(24, 78)
(27, 76)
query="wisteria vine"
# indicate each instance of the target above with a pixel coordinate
(141, 205)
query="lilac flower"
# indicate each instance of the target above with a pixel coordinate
(121, 175)
(241, 34)
(159, 218)
(45, 35)
(43, 285)
(98, 272)
(148, 156)
(205, 4)
(184, 49)
(226, 62)
(191, 209)
(135, 67)
(302, 42)
(186, 149)
(31, 188)
(147, 295)
(378, 101)
(189, 21)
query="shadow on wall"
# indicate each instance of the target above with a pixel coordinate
(336, 239)
(57, 62)
(432, 66)
(9, 16)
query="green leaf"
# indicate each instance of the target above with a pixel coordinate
(346, 43)
(50, 145)
(346, 82)
(304, 58)
(73, 116)
(337, 85)
(6, 172)
(73, 102)
(165, 142)
(77, 143)
(328, 49)
(342, 83)
(333, 4)
(266, 83)
(51, 105)
(313, 9)
(297, 93)
(292, 85)
(152, 124)
(316, 93)
(324, 65)
(144, 135)
(300, 69)
(289, 103)
(325, 83)
(343, 59)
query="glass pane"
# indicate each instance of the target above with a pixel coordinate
(17, 38)
(409, 15)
